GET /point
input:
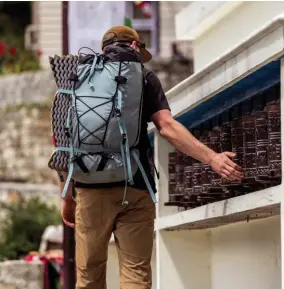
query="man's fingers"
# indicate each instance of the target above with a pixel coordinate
(227, 175)
(232, 173)
(230, 154)
(236, 174)
(233, 165)
(223, 176)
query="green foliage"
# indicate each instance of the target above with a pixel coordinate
(43, 106)
(22, 61)
(23, 225)
(14, 58)
(128, 22)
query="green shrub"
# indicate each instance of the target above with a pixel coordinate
(14, 58)
(23, 225)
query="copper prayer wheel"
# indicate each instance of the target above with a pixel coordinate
(172, 178)
(215, 146)
(249, 144)
(274, 145)
(206, 173)
(206, 176)
(262, 162)
(237, 143)
(251, 130)
(179, 167)
(189, 199)
(226, 145)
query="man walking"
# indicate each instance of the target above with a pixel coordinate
(99, 209)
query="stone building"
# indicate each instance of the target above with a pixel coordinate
(158, 32)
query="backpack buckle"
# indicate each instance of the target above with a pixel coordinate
(117, 112)
(124, 137)
(66, 131)
(120, 79)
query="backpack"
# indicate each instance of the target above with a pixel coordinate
(103, 121)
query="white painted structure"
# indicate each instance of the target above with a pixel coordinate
(215, 27)
(47, 21)
(239, 241)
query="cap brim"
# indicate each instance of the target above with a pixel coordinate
(146, 56)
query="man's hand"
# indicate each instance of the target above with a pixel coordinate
(68, 207)
(68, 204)
(222, 165)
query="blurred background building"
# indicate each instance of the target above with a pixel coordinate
(39, 34)
(87, 22)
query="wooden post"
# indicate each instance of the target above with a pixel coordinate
(68, 237)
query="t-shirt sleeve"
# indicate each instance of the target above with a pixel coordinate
(154, 96)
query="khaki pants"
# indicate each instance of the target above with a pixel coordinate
(99, 213)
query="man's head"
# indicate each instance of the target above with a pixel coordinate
(124, 34)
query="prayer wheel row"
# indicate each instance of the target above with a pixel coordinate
(252, 130)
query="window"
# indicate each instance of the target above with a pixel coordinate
(137, 12)
(146, 37)
(146, 26)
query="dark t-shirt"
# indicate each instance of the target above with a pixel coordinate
(154, 100)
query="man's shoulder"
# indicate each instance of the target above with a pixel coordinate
(147, 71)
(150, 76)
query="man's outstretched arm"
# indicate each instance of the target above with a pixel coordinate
(176, 134)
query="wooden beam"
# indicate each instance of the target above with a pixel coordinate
(68, 238)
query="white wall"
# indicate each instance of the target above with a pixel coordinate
(238, 256)
(232, 29)
(184, 260)
(49, 14)
(167, 12)
(246, 255)
(188, 19)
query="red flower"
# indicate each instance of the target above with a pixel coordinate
(39, 53)
(3, 49)
(13, 50)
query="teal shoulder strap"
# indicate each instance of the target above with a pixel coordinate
(67, 91)
(146, 180)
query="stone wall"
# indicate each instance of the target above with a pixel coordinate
(26, 88)
(21, 275)
(25, 144)
(48, 193)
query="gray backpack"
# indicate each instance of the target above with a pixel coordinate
(106, 112)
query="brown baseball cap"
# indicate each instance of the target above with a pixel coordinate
(126, 34)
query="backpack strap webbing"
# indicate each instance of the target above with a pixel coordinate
(67, 91)
(124, 140)
(71, 148)
(125, 150)
(151, 152)
(149, 187)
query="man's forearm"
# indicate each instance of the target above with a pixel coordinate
(184, 141)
